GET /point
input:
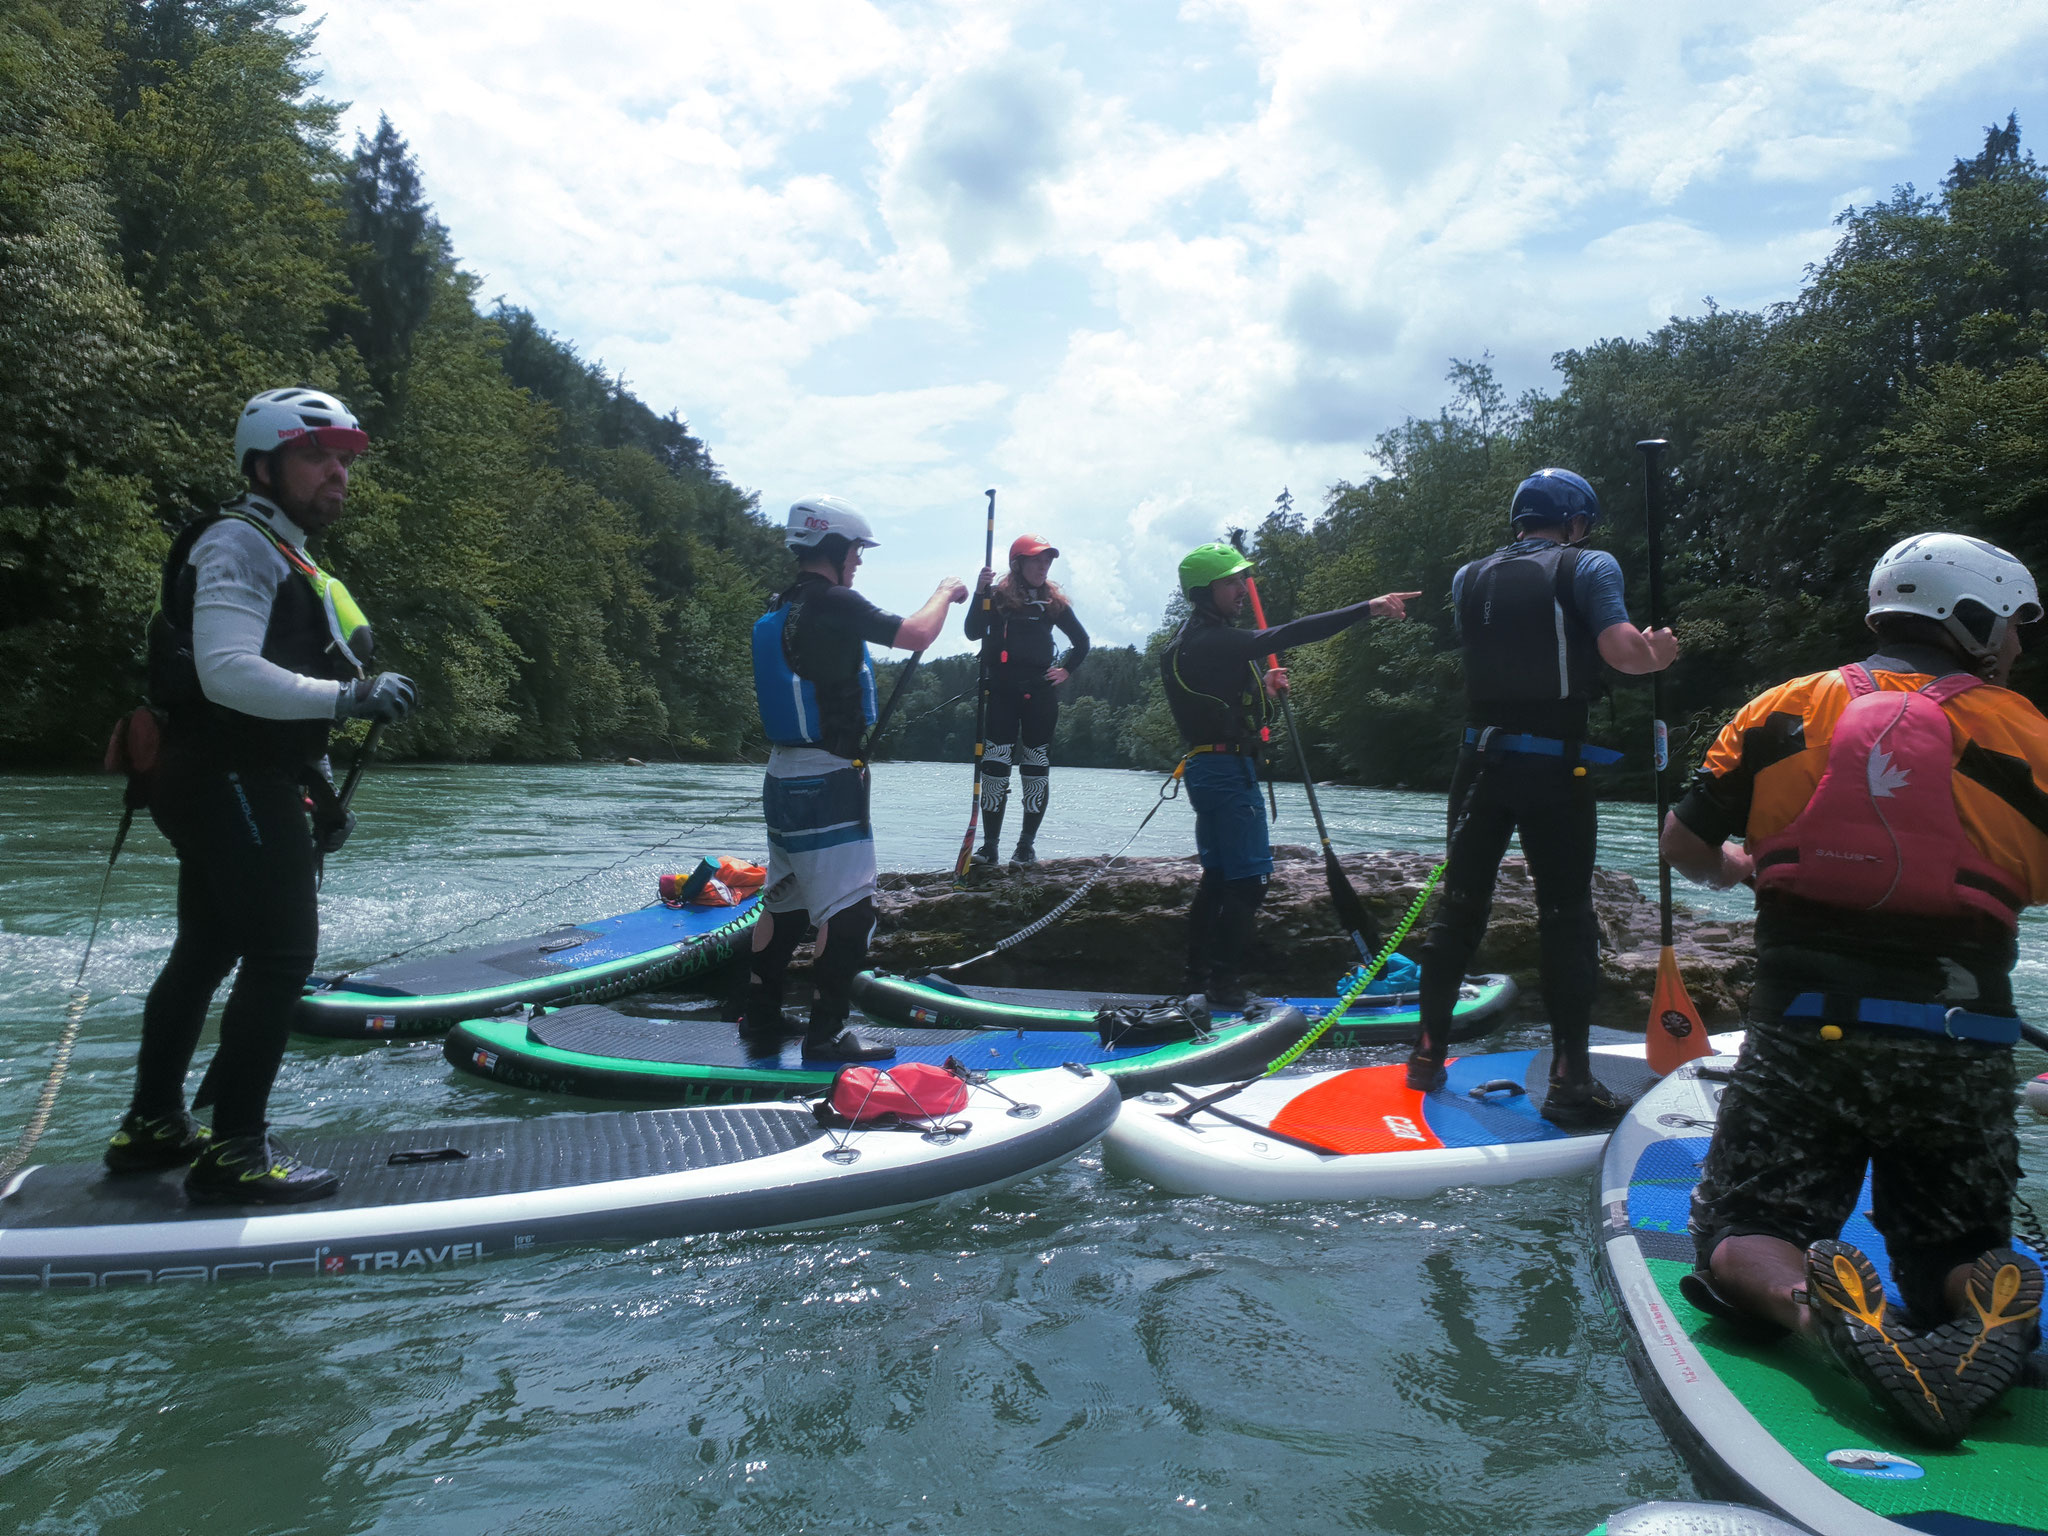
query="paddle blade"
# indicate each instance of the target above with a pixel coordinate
(1350, 908)
(1675, 1034)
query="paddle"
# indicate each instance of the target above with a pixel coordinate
(1365, 933)
(988, 560)
(881, 724)
(1674, 1033)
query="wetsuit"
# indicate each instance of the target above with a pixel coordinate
(1213, 674)
(814, 799)
(1529, 616)
(1017, 648)
(1931, 1113)
(246, 661)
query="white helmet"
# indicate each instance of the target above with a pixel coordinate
(1972, 589)
(817, 518)
(275, 417)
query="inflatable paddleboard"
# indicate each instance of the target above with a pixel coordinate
(1667, 1518)
(598, 1053)
(581, 963)
(928, 1002)
(1774, 1424)
(1366, 1133)
(455, 1195)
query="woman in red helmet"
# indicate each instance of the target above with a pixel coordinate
(1017, 648)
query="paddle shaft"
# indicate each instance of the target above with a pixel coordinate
(355, 772)
(888, 708)
(988, 560)
(1308, 782)
(1660, 738)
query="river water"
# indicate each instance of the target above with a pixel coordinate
(1080, 1349)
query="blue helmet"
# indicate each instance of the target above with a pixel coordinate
(1551, 497)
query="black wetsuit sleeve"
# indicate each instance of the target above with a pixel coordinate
(977, 621)
(1712, 809)
(1255, 644)
(844, 609)
(1070, 626)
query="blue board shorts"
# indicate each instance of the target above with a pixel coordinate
(1230, 815)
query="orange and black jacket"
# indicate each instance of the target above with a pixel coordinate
(1763, 768)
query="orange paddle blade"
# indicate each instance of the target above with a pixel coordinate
(1675, 1035)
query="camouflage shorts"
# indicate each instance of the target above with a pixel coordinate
(1802, 1116)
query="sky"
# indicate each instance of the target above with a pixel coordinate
(1139, 266)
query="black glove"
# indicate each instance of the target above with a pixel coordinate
(385, 699)
(328, 836)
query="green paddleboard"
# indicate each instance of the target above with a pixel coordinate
(1773, 1424)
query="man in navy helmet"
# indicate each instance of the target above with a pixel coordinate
(1537, 617)
(816, 690)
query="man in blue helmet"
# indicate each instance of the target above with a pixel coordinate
(1537, 619)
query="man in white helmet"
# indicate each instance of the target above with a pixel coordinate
(1895, 826)
(816, 690)
(254, 654)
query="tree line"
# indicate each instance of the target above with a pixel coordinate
(567, 573)
(563, 570)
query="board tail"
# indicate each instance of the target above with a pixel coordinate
(1675, 1035)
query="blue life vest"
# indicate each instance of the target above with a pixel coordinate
(790, 713)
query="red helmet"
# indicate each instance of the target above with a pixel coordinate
(1025, 545)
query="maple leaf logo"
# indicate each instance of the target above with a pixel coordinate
(1884, 778)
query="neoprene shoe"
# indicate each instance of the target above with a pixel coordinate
(152, 1144)
(1425, 1072)
(254, 1170)
(1582, 1106)
(1225, 994)
(987, 853)
(1025, 854)
(1975, 1358)
(1847, 1301)
(843, 1045)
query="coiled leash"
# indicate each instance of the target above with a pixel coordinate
(1363, 979)
(67, 1037)
(1170, 790)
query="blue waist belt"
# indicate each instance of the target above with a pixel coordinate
(1928, 1018)
(1495, 740)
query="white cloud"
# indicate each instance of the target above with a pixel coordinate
(840, 237)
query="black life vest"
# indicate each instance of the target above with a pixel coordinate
(1019, 643)
(832, 676)
(1211, 705)
(1531, 661)
(302, 637)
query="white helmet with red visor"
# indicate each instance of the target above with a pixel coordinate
(278, 416)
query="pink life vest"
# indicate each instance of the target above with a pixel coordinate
(1881, 833)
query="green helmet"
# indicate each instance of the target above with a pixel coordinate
(1209, 562)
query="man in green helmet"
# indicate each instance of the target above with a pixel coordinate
(1216, 686)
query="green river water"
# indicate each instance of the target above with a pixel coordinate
(1079, 1351)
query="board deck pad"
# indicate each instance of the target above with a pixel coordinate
(503, 1157)
(570, 947)
(1372, 1109)
(1994, 1484)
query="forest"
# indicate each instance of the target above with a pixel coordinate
(569, 574)
(561, 569)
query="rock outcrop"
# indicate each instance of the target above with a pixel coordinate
(1129, 933)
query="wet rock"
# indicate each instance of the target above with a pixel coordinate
(1129, 932)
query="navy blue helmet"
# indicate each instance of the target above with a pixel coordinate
(1551, 497)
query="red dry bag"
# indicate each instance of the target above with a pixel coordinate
(914, 1090)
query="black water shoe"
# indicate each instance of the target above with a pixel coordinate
(843, 1045)
(1025, 854)
(154, 1143)
(1586, 1106)
(1425, 1071)
(254, 1170)
(987, 853)
(1226, 994)
(1975, 1358)
(1868, 1339)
